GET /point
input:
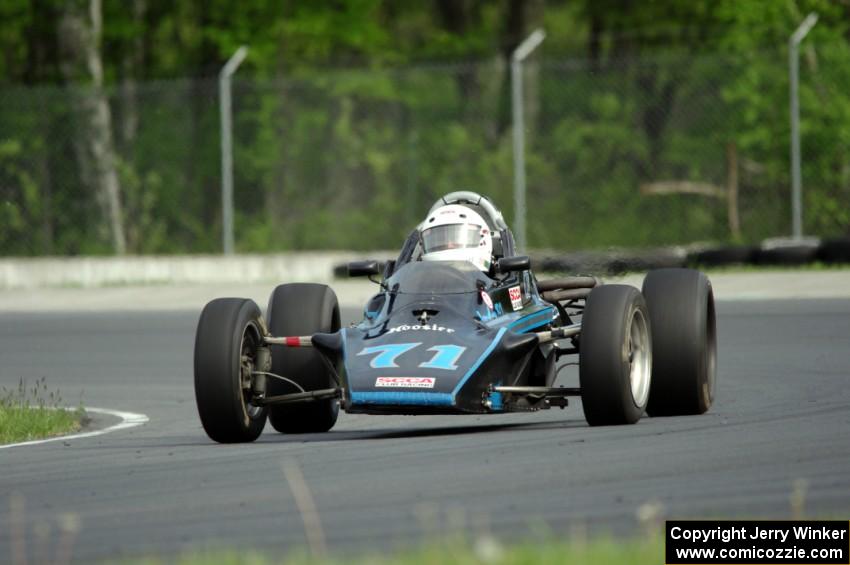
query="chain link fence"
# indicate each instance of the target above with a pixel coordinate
(661, 150)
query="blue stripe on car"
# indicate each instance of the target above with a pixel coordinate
(515, 318)
(533, 326)
(403, 398)
(480, 360)
(547, 311)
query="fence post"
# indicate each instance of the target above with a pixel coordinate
(794, 72)
(520, 53)
(227, 147)
(732, 214)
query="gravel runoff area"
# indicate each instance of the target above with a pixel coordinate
(744, 285)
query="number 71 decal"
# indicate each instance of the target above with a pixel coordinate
(445, 356)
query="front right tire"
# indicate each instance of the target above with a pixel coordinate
(615, 358)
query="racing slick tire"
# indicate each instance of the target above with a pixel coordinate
(684, 342)
(226, 341)
(301, 309)
(615, 360)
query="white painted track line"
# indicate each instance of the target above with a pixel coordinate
(128, 420)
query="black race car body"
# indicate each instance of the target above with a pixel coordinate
(442, 337)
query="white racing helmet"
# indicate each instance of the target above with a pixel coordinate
(457, 233)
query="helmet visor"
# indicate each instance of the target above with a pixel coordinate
(452, 236)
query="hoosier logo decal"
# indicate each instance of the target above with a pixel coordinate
(420, 327)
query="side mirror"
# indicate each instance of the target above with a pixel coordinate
(363, 268)
(513, 264)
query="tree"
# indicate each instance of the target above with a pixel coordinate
(79, 33)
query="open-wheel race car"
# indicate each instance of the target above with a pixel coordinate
(460, 326)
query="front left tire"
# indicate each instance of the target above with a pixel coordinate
(684, 341)
(300, 309)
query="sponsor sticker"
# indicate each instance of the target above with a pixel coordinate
(516, 297)
(487, 300)
(406, 382)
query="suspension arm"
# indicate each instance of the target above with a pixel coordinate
(291, 341)
(308, 396)
(559, 333)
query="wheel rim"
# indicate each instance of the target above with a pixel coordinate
(711, 354)
(247, 363)
(640, 357)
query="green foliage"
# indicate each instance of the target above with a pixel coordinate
(21, 207)
(352, 117)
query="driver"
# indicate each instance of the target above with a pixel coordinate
(457, 233)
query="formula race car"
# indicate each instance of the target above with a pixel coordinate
(460, 326)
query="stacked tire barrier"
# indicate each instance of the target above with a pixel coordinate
(834, 251)
(777, 252)
(611, 262)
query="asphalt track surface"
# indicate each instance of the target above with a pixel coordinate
(781, 418)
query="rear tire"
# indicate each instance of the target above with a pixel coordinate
(300, 309)
(615, 360)
(226, 344)
(684, 342)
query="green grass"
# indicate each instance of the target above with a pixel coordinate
(484, 551)
(34, 412)
(814, 266)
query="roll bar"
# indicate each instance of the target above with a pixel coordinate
(475, 199)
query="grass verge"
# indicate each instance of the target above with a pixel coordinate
(33, 412)
(816, 266)
(483, 551)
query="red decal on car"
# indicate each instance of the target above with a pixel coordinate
(516, 297)
(487, 300)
